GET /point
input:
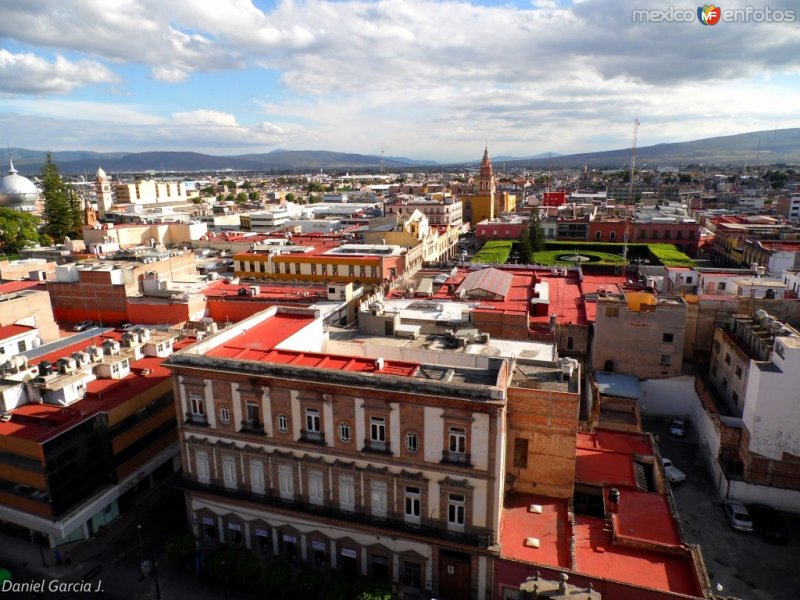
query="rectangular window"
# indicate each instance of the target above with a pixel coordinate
(570, 342)
(21, 347)
(738, 372)
(286, 482)
(351, 270)
(458, 442)
(312, 420)
(257, 476)
(456, 511)
(521, 453)
(197, 404)
(612, 311)
(736, 398)
(229, 471)
(377, 429)
(412, 505)
(251, 410)
(324, 269)
(412, 574)
(667, 338)
(297, 268)
(316, 488)
(727, 359)
(203, 467)
(347, 493)
(666, 359)
(721, 286)
(379, 499)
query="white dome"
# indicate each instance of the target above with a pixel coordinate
(101, 175)
(16, 190)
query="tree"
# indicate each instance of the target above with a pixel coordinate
(241, 198)
(316, 186)
(254, 196)
(58, 211)
(181, 548)
(535, 232)
(290, 197)
(17, 230)
(525, 247)
(75, 214)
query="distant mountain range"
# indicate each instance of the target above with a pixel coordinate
(762, 147)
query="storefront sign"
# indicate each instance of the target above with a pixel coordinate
(315, 545)
(349, 553)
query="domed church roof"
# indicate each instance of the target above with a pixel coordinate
(16, 190)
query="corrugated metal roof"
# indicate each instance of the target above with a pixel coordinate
(491, 280)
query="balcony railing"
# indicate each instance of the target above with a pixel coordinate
(474, 536)
(252, 426)
(380, 447)
(313, 437)
(196, 419)
(462, 459)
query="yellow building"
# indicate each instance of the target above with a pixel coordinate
(487, 202)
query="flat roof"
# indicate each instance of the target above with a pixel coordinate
(42, 422)
(597, 555)
(551, 528)
(617, 384)
(9, 331)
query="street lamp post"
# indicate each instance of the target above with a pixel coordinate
(155, 576)
(225, 579)
(141, 552)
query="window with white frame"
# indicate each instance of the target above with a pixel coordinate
(316, 488)
(347, 493)
(412, 505)
(283, 423)
(379, 498)
(412, 441)
(344, 432)
(312, 420)
(458, 440)
(377, 429)
(285, 482)
(229, 471)
(197, 404)
(224, 415)
(203, 466)
(456, 511)
(257, 476)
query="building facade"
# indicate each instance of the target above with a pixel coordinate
(369, 466)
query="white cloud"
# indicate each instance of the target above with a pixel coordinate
(206, 117)
(433, 79)
(27, 73)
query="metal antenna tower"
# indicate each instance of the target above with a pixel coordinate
(630, 187)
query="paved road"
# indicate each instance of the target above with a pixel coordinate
(744, 564)
(116, 556)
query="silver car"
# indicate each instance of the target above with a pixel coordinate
(673, 473)
(738, 516)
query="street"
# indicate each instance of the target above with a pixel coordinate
(745, 565)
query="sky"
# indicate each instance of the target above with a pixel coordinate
(425, 79)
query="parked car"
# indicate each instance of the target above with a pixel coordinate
(673, 473)
(738, 516)
(769, 524)
(84, 325)
(677, 428)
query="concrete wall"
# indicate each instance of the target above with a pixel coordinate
(30, 308)
(671, 397)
